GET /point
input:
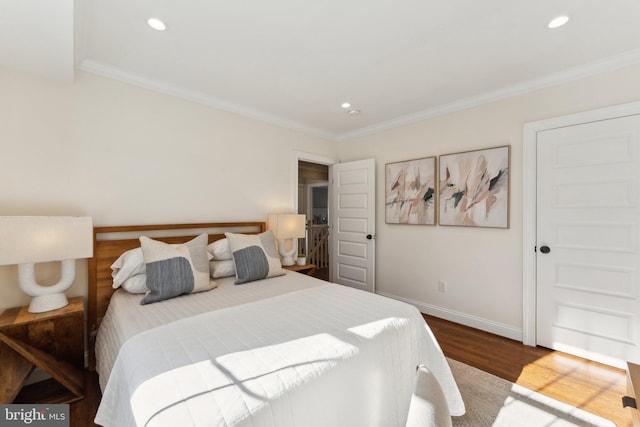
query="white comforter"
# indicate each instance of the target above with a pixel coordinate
(126, 318)
(323, 356)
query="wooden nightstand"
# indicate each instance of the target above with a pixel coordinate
(52, 341)
(307, 269)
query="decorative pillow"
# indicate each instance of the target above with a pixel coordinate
(130, 264)
(136, 284)
(175, 270)
(220, 250)
(127, 265)
(224, 268)
(255, 256)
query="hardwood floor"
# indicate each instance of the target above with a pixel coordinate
(322, 274)
(588, 385)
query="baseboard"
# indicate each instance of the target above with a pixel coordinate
(497, 328)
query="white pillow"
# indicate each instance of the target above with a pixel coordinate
(224, 268)
(220, 250)
(174, 270)
(127, 265)
(136, 284)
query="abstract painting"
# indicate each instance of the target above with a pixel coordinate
(410, 192)
(474, 188)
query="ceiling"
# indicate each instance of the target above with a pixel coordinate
(294, 62)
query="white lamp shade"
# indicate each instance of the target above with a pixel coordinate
(32, 239)
(288, 226)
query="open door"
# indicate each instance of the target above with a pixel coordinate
(353, 224)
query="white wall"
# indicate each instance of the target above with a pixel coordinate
(126, 155)
(483, 267)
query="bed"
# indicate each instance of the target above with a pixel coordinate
(289, 350)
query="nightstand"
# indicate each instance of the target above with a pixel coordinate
(52, 341)
(307, 269)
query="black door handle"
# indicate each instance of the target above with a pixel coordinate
(369, 237)
(545, 249)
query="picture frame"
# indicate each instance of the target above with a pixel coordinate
(474, 188)
(410, 192)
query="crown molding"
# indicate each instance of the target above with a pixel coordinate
(611, 63)
(604, 65)
(113, 73)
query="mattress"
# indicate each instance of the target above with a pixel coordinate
(285, 351)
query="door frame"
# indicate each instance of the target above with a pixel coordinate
(529, 201)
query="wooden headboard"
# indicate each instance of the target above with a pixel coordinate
(111, 242)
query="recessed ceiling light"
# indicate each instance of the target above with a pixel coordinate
(354, 112)
(558, 22)
(346, 105)
(157, 24)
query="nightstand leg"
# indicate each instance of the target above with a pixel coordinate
(65, 373)
(13, 373)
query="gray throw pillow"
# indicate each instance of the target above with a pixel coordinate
(175, 270)
(255, 256)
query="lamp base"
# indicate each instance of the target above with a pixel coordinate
(288, 261)
(46, 298)
(286, 257)
(50, 302)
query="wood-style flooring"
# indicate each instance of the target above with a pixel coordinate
(588, 385)
(322, 274)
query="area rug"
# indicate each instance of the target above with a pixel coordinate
(493, 401)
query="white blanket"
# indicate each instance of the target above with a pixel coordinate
(126, 318)
(324, 356)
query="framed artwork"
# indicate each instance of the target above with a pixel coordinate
(474, 188)
(410, 196)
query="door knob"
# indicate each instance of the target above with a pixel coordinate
(369, 237)
(545, 249)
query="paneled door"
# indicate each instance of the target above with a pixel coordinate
(588, 225)
(353, 224)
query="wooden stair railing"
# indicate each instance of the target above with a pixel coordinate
(318, 245)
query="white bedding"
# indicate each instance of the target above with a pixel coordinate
(322, 355)
(126, 318)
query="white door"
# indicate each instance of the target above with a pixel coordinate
(353, 224)
(588, 225)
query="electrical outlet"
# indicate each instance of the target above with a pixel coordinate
(442, 286)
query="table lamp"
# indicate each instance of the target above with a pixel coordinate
(287, 227)
(27, 240)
